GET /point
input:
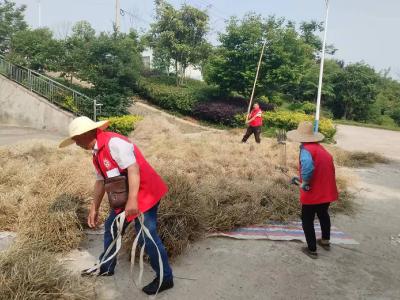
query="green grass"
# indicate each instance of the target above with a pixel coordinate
(369, 125)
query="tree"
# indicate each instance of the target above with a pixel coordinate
(75, 49)
(308, 33)
(178, 37)
(388, 99)
(356, 92)
(35, 49)
(308, 86)
(233, 64)
(113, 64)
(11, 22)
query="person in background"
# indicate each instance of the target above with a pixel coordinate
(254, 120)
(115, 155)
(317, 183)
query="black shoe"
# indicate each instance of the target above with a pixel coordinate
(88, 273)
(309, 253)
(325, 244)
(151, 288)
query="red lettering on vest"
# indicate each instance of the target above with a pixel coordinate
(323, 181)
(151, 189)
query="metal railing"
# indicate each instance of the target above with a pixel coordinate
(57, 93)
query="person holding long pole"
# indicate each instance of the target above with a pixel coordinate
(254, 118)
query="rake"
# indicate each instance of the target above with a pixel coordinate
(281, 139)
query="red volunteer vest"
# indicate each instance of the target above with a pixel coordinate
(258, 120)
(152, 188)
(323, 182)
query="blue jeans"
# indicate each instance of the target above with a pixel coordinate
(150, 221)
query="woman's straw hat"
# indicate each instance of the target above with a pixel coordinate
(80, 126)
(305, 134)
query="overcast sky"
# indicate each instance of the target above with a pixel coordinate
(362, 30)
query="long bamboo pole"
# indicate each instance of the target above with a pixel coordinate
(321, 69)
(255, 80)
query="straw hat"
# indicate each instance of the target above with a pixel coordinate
(80, 126)
(305, 134)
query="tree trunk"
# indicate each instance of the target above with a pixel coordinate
(347, 111)
(176, 72)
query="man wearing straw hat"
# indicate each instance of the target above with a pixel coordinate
(317, 185)
(140, 191)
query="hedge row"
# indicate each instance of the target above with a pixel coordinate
(224, 111)
(162, 92)
(290, 120)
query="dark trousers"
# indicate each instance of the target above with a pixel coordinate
(250, 130)
(150, 221)
(307, 217)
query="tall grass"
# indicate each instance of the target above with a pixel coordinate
(28, 272)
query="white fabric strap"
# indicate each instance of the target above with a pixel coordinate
(117, 240)
(144, 231)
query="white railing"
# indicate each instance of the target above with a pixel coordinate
(57, 93)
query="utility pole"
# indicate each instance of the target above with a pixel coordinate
(39, 14)
(321, 70)
(117, 15)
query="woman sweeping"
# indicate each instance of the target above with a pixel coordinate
(317, 185)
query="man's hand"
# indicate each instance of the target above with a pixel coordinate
(295, 180)
(93, 217)
(131, 207)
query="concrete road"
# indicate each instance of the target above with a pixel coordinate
(12, 134)
(353, 138)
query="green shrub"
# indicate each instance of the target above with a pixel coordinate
(289, 120)
(303, 107)
(395, 115)
(163, 92)
(70, 104)
(278, 99)
(123, 125)
(167, 96)
(114, 104)
(308, 107)
(385, 120)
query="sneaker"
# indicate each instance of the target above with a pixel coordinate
(309, 253)
(151, 288)
(89, 273)
(325, 244)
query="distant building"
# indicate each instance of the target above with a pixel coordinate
(191, 71)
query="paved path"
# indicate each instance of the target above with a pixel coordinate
(385, 142)
(14, 134)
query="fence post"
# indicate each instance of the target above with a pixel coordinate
(73, 97)
(94, 110)
(30, 84)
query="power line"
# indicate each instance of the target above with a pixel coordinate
(209, 10)
(133, 16)
(217, 12)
